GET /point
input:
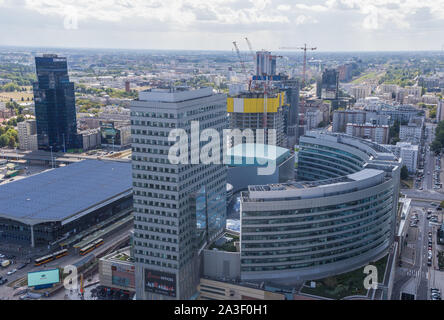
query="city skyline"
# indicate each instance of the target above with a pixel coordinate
(331, 25)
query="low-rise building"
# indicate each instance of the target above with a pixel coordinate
(376, 133)
(116, 270)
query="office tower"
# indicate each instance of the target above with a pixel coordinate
(329, 84)
(292, 119)
(178, 208)
(265, 63)
(55, 108)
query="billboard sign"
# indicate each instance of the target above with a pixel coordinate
(123, 277)
(41, 278)
(160, 282)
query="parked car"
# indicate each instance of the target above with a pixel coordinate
(12, 271)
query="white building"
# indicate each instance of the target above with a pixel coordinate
(27, 135)
(408, 154)
(375, 133)
(361, 92)
(412, 132)
(313, 118)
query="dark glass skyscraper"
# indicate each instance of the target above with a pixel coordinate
(55, 107)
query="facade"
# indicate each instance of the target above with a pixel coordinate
(178, 208)
(313, 117)
(91, 139)
(440, 111)
(342, 117)
(27, 135)
(245, 159)
(246, 111)
(408, 153)
(345, 72)
(361, 92)
(218, 290)
(114, 134)
(401, 113)
(413, 131)
(117, 271)
(330, 84)
(376, 133)
(341, 218)
(55, 108)
(292, 118)
(265, 64)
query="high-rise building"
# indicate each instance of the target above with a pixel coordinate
(178, 208)
(265, 63)
(246, 111)
(329, 84)
(440, 111)
(27, 135)
(55, 108)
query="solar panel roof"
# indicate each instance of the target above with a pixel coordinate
(58, 194)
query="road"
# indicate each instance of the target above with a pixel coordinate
(6, 291)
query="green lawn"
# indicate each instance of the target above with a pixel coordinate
(346, 284)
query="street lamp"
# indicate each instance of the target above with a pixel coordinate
(52, 159)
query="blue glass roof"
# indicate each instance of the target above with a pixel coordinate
(61, 193)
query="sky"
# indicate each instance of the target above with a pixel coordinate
(329, 25)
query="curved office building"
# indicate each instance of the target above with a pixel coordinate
(338, 217)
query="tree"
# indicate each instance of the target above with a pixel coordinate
(4, 140)
(404, 172)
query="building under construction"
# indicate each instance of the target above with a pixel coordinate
(271, 102)
(246, 111)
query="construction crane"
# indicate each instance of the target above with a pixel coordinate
(253, 55)
(244, 70)
(304, 48)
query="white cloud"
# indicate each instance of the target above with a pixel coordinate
(272, 21)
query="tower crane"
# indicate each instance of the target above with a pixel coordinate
(244, 70)
(253, 55)
(304, 48)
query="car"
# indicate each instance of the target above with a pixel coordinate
(12, 271)
(3, 281)
(2, 255)
(429, 262)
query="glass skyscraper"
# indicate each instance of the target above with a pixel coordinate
(55, 108)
